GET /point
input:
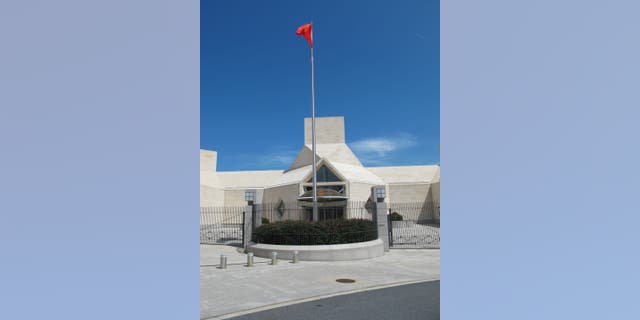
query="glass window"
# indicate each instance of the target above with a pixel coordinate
(325, 175)
(339, 188)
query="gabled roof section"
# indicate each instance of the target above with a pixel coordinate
(408, 174)
(292, 176)
(347, 172)
(330, 144)
(357, 173)
(304, 158)
(337, 153)
(334, 152)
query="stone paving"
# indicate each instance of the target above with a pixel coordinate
(238, 288)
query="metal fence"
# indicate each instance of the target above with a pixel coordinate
(420, 212)
(411, 224)
(295, 211)
(221, 225)
(419, 226)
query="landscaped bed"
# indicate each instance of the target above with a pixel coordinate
(326, 232)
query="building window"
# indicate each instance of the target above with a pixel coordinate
(339, 188)
(325, 175)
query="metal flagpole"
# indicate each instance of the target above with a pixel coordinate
(313, 136)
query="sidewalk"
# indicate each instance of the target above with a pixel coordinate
(240, 288)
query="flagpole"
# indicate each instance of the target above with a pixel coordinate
(313, 137)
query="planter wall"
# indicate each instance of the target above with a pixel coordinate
(334, 252)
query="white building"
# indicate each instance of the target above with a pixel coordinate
(340, 176)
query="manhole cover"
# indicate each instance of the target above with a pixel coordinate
(345, 280)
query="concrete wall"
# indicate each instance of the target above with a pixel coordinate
(408, 192)
(435, 192)
(335, 252)
(288, 194)
(211, 197)
(359, 191)
(208, 160)
(328, 130)
(210, 193)
(234, 198)
(416, 202)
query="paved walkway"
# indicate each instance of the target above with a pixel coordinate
(239, 288)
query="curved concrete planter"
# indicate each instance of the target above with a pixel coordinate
(333, 252)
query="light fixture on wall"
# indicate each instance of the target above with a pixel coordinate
(250, 197)
(380, 193)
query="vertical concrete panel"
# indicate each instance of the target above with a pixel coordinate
(328, 130)
(247, 227)
(382, 223)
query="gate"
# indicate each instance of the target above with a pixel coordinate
(414, 225)
(221, 225)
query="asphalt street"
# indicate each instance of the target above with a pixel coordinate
(414, 301)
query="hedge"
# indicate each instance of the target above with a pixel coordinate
(316, 233)
(396, 217)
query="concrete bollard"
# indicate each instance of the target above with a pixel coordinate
(274, 258)
(250, 259)
(223, 261)
(295, 257)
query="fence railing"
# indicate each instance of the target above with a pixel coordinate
(221, 225)
(419, 226)
(414, 224)
(419, 211)
(283, 211)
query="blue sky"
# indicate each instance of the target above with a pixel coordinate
(376, 63)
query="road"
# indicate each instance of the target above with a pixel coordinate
(414, 301)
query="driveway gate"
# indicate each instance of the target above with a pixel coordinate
(414, 225)
(221, 225)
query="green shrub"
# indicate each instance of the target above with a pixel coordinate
(265, 220)
(396, 217)
(316, 233)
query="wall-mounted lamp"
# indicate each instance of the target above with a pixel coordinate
(380, 193)
(250, 197)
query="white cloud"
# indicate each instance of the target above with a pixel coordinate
(383, 146)
(280, 158)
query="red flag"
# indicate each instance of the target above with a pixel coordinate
(305, 30)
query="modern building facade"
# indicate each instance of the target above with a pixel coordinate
(341, 177)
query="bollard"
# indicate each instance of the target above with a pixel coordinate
(295, 257)
(274, 258)
(250, 259)
(223, 261)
